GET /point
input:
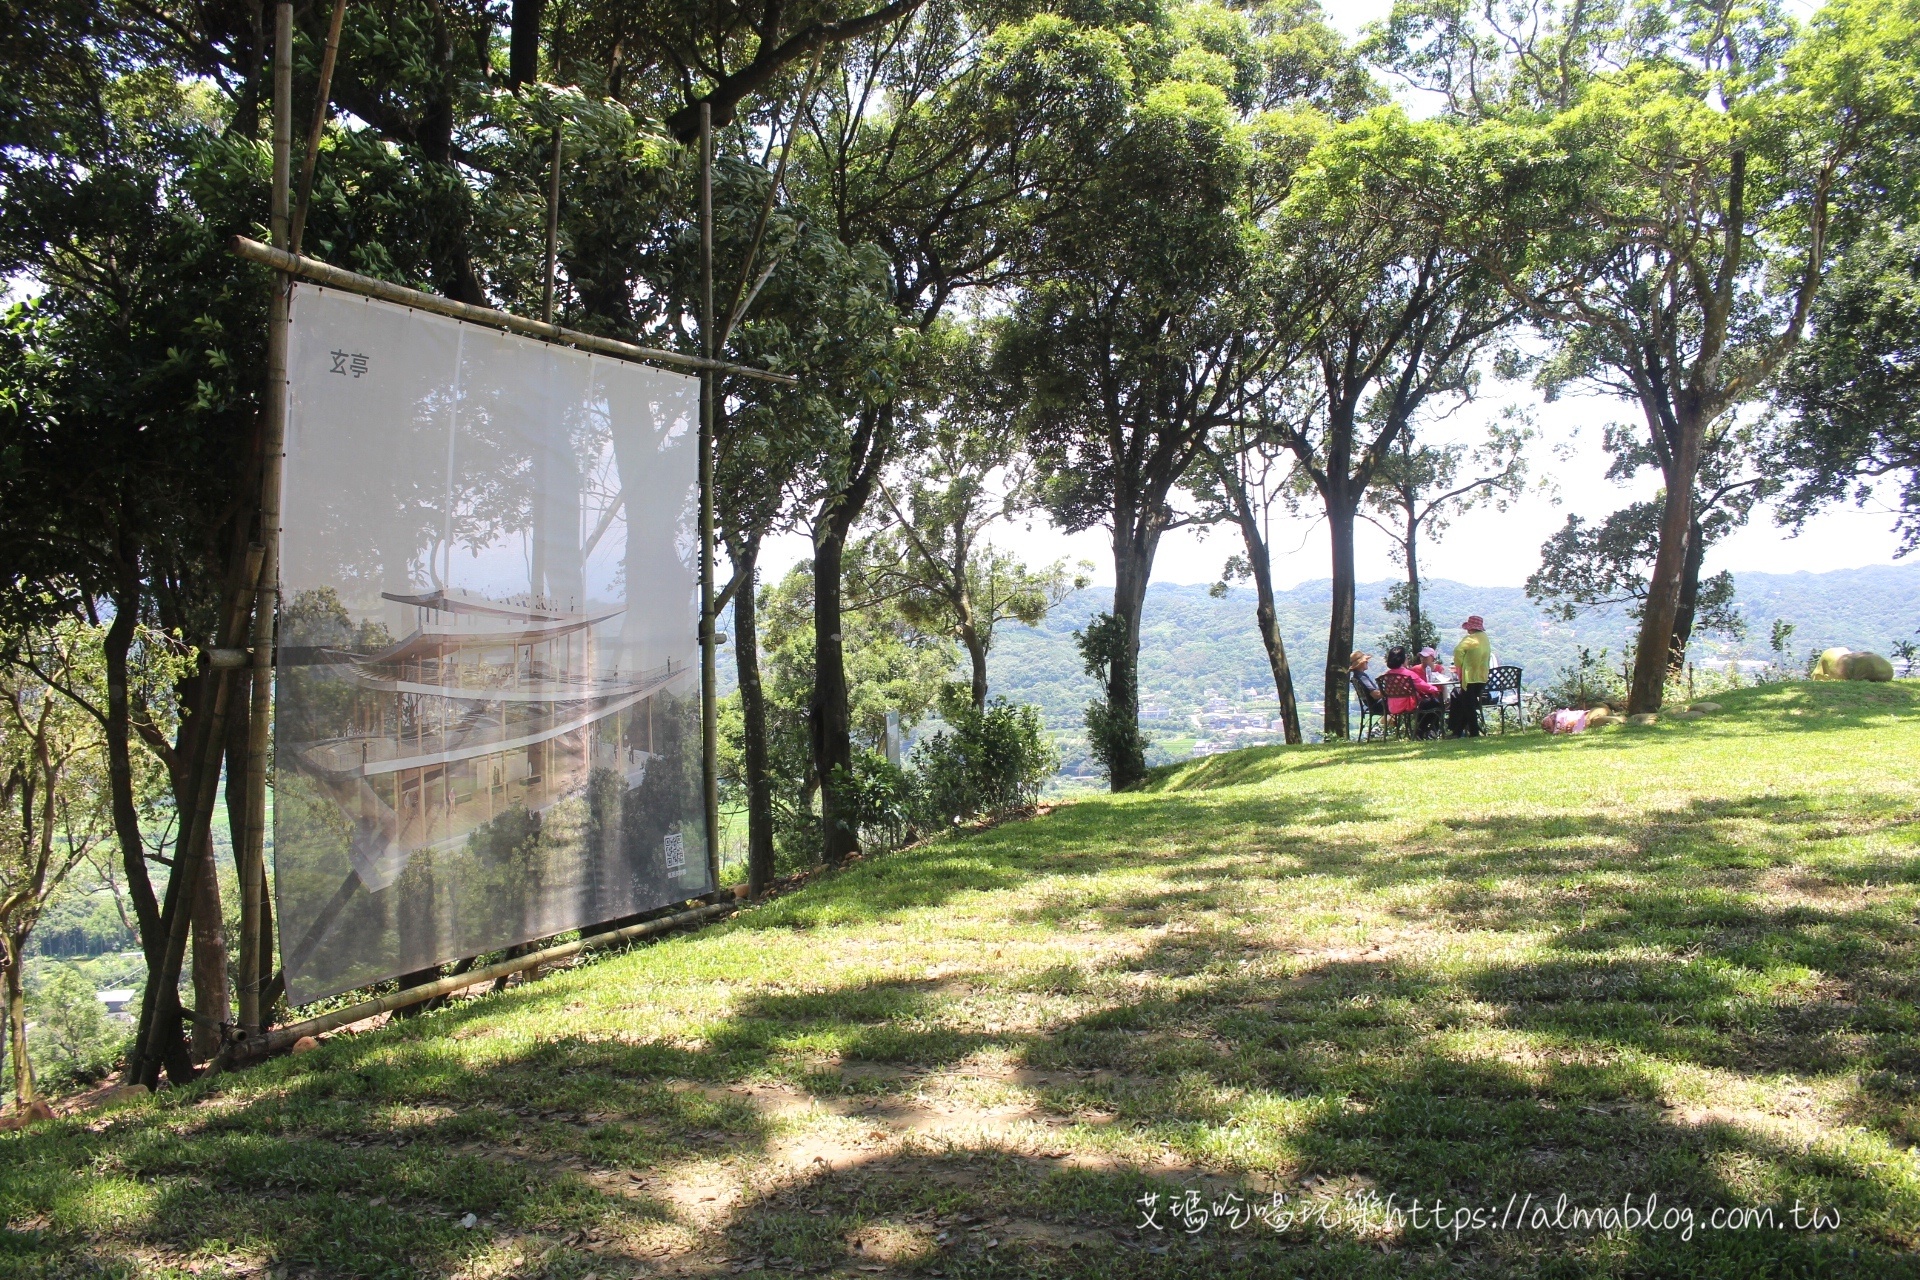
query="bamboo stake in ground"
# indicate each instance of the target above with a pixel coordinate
(256, 943)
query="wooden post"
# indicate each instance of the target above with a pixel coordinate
(709, 672)
(256, 946)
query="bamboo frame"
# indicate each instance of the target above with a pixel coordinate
(322, 273)
(284, 1037)
(709, 668)
(283, 256)
(256, 949)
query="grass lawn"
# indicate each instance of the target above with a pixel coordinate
(1677, 961)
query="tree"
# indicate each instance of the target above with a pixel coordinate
(930, 144)
(129, 423)
(1593, 566)
(892, 665)
(822, 312)
(1662, 195)
(1849, 400)
(677, 56)
(1246, 472)
(1420, 490)
(1127, 344)
(53, 790)
(72, 1036)
(1403, 320)
(931, 560)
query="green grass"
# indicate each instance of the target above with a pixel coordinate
(1676, 961)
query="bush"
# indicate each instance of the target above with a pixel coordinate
(991, 761)
(884, 801)
(73, 1041)
(1582, 684)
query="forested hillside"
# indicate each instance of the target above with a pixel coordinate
(1197, 648)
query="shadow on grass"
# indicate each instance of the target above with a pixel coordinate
(1648, 946)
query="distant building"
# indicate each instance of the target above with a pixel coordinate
(116, 998)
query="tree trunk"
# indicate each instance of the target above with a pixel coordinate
(831, 719)
(126, 813)
(17, 1023)
(1340, 517)
(1132, 565)
(1654, 651)
(211, 1005)
(753, 715)
(1268, 617)
(1689, 599)
(977, 655)
(1413, 583)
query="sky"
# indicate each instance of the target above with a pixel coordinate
(1483, 547)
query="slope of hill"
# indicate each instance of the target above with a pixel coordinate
(1316, 987)
(1196, 648)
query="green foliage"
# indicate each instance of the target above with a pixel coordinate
(1587, 682)
(1113, 732)
(994, 760)
(891, 666)
(1394, 602)
(1586, 566)
(74, 1042)
(1851, 396)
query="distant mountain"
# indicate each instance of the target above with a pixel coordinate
(1196, 648)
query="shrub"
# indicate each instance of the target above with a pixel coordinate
(1584, 683)
(990, 761)
(884, 800)
(73, 1042)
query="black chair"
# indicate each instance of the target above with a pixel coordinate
(1373, 707)
(1503, 691)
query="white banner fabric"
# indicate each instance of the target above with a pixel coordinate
(487, 705)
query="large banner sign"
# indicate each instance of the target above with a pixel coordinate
(487, 723)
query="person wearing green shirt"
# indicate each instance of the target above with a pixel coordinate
(1472, 657)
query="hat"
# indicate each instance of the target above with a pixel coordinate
(1474, 622)
(1358, 660)
(1429, 652)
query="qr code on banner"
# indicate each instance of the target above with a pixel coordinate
(676, 853)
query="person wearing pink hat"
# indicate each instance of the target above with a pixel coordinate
(1430, 664)
(1472, 657)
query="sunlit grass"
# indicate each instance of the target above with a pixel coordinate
(1678, 961)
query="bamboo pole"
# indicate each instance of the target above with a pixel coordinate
(709, 670)
(353, 282)
(284, 1037)
(149, 1052)
(553, 220)
(203, 764)
(321, 93)
(256, 964)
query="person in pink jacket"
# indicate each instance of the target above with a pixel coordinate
(1427, 700)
